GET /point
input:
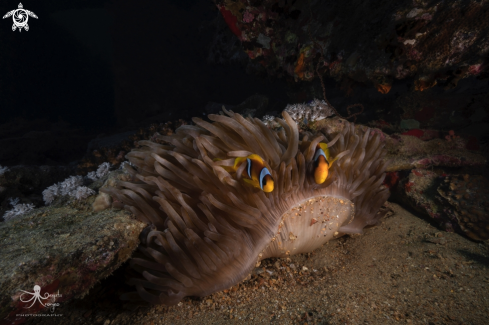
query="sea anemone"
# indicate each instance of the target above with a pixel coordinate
(208, 228)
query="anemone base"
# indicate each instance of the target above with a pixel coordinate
(310, 224)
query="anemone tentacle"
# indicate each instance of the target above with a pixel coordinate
(208, 228)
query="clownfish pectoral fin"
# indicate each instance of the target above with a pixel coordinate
(251, 182)
(332, 161)
(229, 169)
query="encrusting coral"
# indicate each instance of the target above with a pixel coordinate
(209, 227)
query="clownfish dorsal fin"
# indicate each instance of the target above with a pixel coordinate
(255, 157)
(327, 154)
(325, 149)
(238, 161)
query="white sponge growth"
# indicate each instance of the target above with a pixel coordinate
(314, 111)
(18, 209)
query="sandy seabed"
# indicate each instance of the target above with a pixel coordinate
(403, 271)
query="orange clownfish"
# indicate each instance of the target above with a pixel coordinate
(322, 163)
(255, 172)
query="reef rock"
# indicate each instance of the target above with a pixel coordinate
(408, 151)
(419, 191)
(364, 41)
(64, 249)
(455, 202)
(469, 199)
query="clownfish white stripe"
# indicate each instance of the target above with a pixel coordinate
(320, 152)
(248, 160)
(263, 173)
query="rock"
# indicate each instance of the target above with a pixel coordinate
(62, 249)
(419, 191)
(398, 43)
(468, 197)
(455, 202)
(408, 152)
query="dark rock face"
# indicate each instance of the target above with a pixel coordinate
(454, 202)
(366, 41)
(469, 200)
(401, 60)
